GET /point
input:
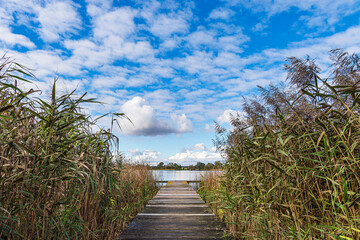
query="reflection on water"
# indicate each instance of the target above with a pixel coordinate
(176, 175)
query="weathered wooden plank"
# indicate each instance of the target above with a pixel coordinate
(176, 212)
(188, 181)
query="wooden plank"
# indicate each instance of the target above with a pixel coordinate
(188, 181)
(176, 212)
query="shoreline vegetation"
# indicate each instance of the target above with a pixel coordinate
(199, 166)
(292, 167)
(59, 178)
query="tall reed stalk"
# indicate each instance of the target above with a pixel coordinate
(58, 178)
(292, 164)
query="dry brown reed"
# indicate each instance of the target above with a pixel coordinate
(292, 165)
(58, 178)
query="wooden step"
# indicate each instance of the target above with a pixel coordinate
(176, 212)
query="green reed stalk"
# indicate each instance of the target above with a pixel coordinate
(58, 178)
(292, 165)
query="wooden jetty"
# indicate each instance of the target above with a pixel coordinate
(176, 212)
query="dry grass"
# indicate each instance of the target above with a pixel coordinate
(58, 178)
(292, 166)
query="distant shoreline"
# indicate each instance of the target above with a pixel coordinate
(154, 168)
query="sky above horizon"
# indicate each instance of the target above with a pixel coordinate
(173, 67)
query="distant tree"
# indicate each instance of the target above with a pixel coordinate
(200, 166)
(160, 165)
(217, 165)
(177, 166)
(209, 166)
(170, 166)
(191, 167)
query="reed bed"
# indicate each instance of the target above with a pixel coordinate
(59, 179)
(292, 164)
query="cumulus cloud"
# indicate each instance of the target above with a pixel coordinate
(218, 37)
(165, 25)
(320, 14)
(221, 13)
(86, 53)
(197, 153)
(56, 19)
(47, 63)
(150, 157)
(226, 116)
(319, 47)
(182, 124)
(259, 27)
(115, 24)
(198, 146)
(145, 122)
(10, 39)
(209, 127)
(192, 157)
(167, 19)
(95, 8)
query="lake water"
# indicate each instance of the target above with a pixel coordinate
(175, 175)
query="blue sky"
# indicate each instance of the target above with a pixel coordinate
(172, 66)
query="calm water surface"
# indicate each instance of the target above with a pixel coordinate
(175, 175)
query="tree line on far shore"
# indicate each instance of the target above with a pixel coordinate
(197, 166)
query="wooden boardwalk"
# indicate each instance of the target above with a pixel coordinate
(176, 212)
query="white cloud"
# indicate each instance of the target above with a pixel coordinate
(150, 157)
(318, 47)
(57, 18)
(197, 153)
(198, 146)
(170, 43)
(105, 82)
(228, 59)
(208, 127)
(197, 62)
(202, 37)
(63, 87)
(87, 53)
(192, 157)
(164, 25)
(146, 123)
(11, 39)
(226, 116)
(233, 42)
(136, 50)
(117, 24)
(95, 8)
(259, 27)
(182, 123)
(115, 38)
(218, 37)
(47, 63)
(324, 13)
(221, 13)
